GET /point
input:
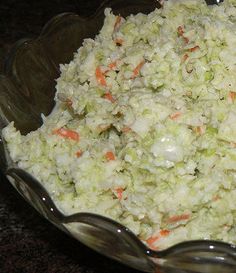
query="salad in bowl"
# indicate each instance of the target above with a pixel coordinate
(140, 144)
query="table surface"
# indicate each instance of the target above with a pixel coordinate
(28, 243)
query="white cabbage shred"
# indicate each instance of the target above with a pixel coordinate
(144, 131)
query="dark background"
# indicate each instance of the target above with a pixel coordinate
(28, 243)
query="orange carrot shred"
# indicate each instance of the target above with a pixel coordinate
(117, 23)
(100, 76)
(232, 96)
(186, 39)
(79, 153)
(175, 115)
(177, 218)
(199, 130)
(68, 102)
(126, 129)
(110, 156)
(164, 232)
(66, 133)
(192, 49)
(119, 192)
(180, 30)
(108, 96)
(119, 41)
(112, 65)
(185, 57)
(216, 197)
(151, 240)
(137, 69)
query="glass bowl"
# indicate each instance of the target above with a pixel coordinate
(27, 89)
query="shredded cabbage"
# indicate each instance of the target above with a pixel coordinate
(144, 129)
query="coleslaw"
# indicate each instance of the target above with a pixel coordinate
(144, 127)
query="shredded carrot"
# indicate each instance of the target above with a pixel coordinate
(216, 197)
(154, 248)
(152, 240)
(185, 57)
(186, 39)
(110, 156)
(164, 232)
(126, 129)
(119, 41)
(192, 49)
(68, 102)
(175, 115)
(117, 23)
(199, 130)
(112, 65)
(180, 30)
(232, 96)
(119, 192)
(79, 153)
(100, 76)
(66, 133)
(177, 218)
(137, 69)
(108, 96)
